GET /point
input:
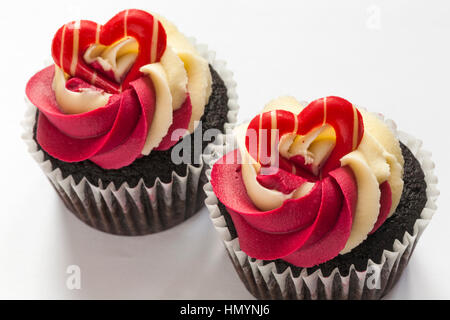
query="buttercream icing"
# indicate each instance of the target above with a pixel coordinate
(369, 189)
(95, 65)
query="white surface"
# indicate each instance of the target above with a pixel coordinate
(389, 56)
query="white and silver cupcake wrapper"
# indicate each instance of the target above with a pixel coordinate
(142, 209)
(265, 282)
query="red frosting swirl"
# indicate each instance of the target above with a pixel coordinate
(114, 135)
(315, 227)
(111, 136)
(304, 231)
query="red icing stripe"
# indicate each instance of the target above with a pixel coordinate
(335, 111)
(139, 25)
(259, 133)
(340, 115)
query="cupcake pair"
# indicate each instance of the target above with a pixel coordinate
(316, 200)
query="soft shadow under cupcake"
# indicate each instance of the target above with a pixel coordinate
(158, 266)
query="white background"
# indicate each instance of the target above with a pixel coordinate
(389, 56)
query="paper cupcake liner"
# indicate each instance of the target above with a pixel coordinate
(142, 209)
(265, 282)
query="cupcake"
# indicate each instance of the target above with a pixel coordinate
(117, 121)
(320, 201)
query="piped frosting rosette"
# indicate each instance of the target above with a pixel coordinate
(309, 182)
(118, 91)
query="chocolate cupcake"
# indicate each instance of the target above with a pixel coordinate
(118, 122)
(320, 200)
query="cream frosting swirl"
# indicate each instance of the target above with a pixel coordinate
(377, 159)
(180, 72)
